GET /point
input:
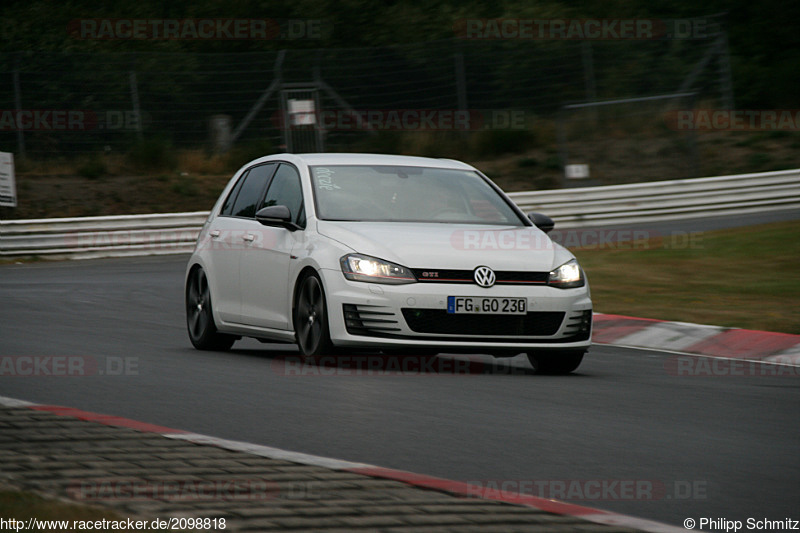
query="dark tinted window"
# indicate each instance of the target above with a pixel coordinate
(227, 207)
(285, 190)
(251, 190)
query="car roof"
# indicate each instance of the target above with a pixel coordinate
(371, 159)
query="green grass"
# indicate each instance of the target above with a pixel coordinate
(23, 505)
(746, 278)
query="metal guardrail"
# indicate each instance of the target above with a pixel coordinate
(106, 236)
(666, 200)
(638, 203)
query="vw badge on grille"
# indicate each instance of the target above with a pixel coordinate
(484, 276)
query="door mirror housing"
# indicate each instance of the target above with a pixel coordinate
(543, 222)
(276, 215)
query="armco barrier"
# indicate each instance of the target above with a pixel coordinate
(106, 236)
(570, 208)
(666, 200)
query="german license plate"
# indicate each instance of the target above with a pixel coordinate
(486, 306)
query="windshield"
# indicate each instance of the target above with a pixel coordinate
(407, 194)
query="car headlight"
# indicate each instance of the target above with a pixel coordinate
(364, 268)
(567, 276)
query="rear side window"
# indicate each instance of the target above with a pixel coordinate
(227, 207)
(248, 191)
(285, 189)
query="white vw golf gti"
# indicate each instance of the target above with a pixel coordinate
(398, 254)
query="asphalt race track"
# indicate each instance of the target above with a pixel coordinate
(718, 446)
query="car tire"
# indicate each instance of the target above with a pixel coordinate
(200, 317)
(562, 362)
(310, 318)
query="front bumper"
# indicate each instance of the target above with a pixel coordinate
(415, 315)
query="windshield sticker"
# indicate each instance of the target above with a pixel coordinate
(325, 179)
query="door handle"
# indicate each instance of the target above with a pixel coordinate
(214, 233)
(248, 237)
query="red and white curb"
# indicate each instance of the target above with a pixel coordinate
(458, 488)
(696, 339)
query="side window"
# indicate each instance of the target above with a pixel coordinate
(285, 189)
(251, 190)
(227, 207)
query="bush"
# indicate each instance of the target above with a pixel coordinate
(758, 162)
(185, 186)
(553, 162)
(93, 168)
(152, 153)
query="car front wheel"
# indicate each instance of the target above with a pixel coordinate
(555, 362)
(200, 318)
(311, 320)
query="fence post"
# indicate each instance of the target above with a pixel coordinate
(18, 106)
(275, 85)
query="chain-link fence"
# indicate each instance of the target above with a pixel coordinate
(56, 104)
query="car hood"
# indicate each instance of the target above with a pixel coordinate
(449, 246)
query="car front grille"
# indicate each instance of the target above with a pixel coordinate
(439, 321)
(503, 277)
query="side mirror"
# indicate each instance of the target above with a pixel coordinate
(276, 215)
(543, 222)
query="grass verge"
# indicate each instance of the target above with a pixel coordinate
(744, 278)
(23, 505)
